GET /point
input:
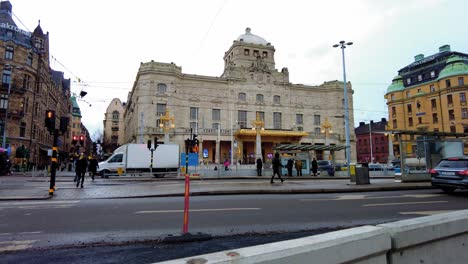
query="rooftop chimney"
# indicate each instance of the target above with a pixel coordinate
(362, 124)
(418, 57)
(444, 48)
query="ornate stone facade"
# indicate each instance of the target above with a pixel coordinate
(29, 88)
(114, 125)
(220, 110)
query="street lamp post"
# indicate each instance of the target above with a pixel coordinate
(370, 143)
(343, 45)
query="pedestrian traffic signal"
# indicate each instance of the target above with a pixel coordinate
(81, 140)
(74, 140)
(50, 120)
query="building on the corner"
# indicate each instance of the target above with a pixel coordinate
(430, 95)
(220, 110)
(372, 142)
(113, 126)
(29, 88)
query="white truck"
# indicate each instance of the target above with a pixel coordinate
(136, 158)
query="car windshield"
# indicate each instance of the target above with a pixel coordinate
(322, 162)
(453, 164)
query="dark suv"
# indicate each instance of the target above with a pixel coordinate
(451, 174)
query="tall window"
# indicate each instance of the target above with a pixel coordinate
(276, 99)
(410, 122)
(216, 114)
(115, 115)
(160, 109)
(299, 119)
(29, 60)
(259, 98)
(447, 83)
(317, 130)
(277, 120)
(408, 94)
(392, 97)
(262, 115)
(434, 104)
(464, 113)
(435, 119)
(3, 101)
(193, 113)
(317, 120)
(432, 74)
(242, 118)
(451, 114)
(242, 97)
(2, 127)
(461, 81)
(22, 129)
(6, 78)
(449, 99)
(462, 98)
(162, 88)
(393, 111)
(410, 110)
(394, 123)
(432, 88)
(9, 51)
(246, 52)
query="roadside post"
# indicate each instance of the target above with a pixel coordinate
(152, 149)
(186, 204)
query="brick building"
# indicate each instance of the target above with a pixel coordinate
(29, 88)
(372, 142)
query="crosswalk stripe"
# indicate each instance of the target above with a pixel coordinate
(196, 210)
(407, 203)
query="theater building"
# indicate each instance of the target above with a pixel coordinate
(226, 112)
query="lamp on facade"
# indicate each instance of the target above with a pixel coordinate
(326, 128)
(343, 45)
(258, 125)
(166, 123)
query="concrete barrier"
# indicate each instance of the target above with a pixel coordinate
(439, 238)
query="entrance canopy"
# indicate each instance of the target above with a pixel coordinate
(289, 147)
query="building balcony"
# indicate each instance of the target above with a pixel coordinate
(422, 126)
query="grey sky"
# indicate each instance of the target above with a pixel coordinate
(103, 42)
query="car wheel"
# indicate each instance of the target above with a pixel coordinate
(448, 190)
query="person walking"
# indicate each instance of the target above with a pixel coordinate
(226, 165)
(259, 167)
(314, 167)
(93, 165)
(298, 164)
(81, 166)
(289, 166)
(276, 163)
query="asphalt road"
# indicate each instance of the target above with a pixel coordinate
(114, 230)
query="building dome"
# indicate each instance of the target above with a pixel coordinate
(251, 38)
(397, 84)
(456, 65)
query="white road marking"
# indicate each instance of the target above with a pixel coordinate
(32, 232)
(405, 203)
(5, 234)
(16, 245)
(366, 197)
(426, 212)
(196, 210)
(36, 203)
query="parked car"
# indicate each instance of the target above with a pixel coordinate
(450, 174)
(326, 165)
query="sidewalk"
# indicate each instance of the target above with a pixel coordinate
(29, 187)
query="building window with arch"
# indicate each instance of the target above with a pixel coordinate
(276, 99)
(299, 119)
(162, 87)
(9, 52)
(242, 118)
(449, 100)
(259, 98)
(447, 83)
(160, 109)
(277, 120)
(317, 120)
(432, 88)
(408, 94)
(115, 115)
(461, 81)
(242, 97)
(216, 115)
(193, 113)
(246, 52)
(265, 54)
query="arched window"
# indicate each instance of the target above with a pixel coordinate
(242, 97)
(259, 98)
(162, 88)
(115, 115)
(276, 99)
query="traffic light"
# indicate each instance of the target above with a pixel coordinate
(64, 120)
(81, 140)
(155, 142)
(74, 140)
(50, 120)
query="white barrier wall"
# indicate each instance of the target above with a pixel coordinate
(434, 239)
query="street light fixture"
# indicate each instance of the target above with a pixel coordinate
(167, 123)
(343, 45)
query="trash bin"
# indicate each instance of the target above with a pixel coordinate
(362, 175)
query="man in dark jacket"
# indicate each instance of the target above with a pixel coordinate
(314, 167)
(276, 163)
(81, 166)
(289, 166)
(259, 167)
(93, 165)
